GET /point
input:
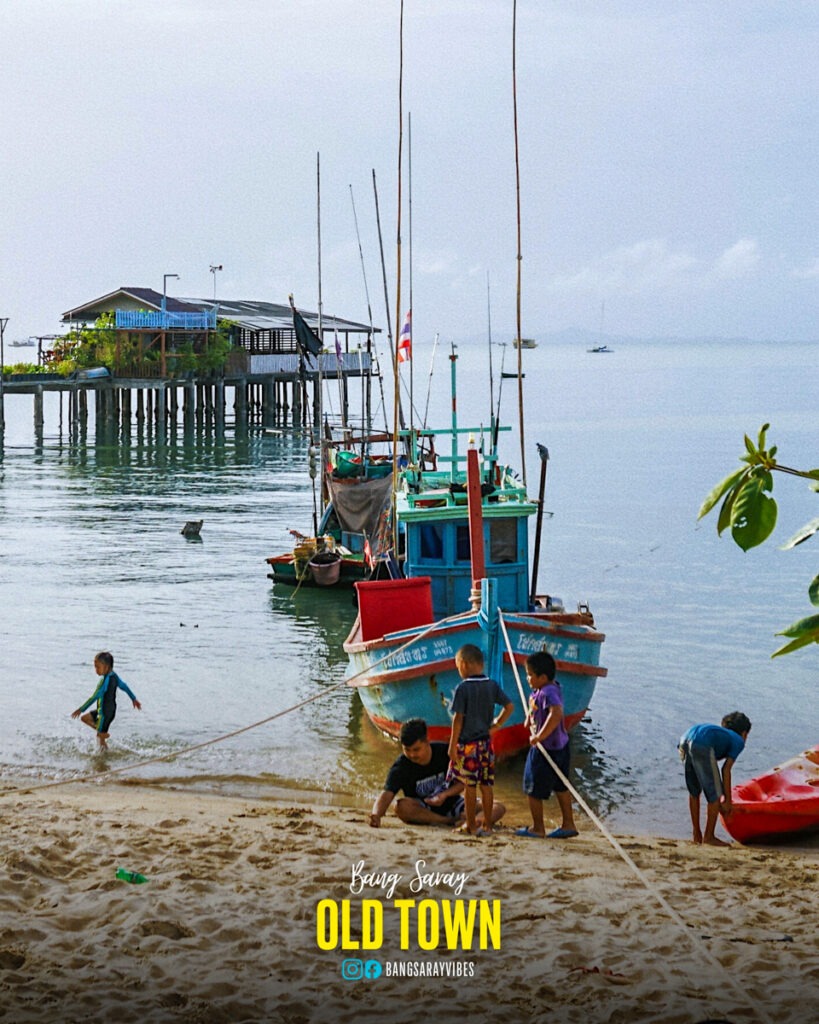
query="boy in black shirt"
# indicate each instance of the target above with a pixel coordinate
(420, 773)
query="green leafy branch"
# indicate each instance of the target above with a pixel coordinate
(749, 510)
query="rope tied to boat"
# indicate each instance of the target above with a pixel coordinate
(96, 777)
(695, 942)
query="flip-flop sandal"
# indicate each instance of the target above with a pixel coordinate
(562, 833)
(527, 833)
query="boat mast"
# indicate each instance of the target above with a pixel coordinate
(366, 397)
(409, 200)
(397, 387)
(492, 429)
(319, 411)
(386, 302)
(453, 359)
(519, 334)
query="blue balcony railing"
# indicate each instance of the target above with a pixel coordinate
(162, 320)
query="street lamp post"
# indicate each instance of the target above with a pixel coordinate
(213, 268)
(165, 289)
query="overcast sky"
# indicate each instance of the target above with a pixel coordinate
(668, 159)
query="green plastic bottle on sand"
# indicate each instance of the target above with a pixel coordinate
(124, 875)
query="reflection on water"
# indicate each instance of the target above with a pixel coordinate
(91, 558)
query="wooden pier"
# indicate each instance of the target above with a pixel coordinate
(274, 401)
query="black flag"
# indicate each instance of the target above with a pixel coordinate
(305, 337)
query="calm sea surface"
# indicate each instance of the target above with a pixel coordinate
(91, 557)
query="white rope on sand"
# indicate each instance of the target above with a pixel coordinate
(96, 777)
(697, 943)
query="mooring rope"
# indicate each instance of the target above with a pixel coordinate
(697, 943)
(95, 776)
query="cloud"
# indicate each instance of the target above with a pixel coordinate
(738, 260)
(809, 272)
(648, 265)
(652, 265)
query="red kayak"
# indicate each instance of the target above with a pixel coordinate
(781, 803)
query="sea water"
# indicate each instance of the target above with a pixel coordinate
(91, 558)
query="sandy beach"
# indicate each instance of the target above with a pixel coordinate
(227, 927)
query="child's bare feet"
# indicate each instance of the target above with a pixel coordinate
(713, 841)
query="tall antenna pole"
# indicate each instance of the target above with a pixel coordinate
(397, 392)
(520, 257)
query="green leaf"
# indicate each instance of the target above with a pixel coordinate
(726, 512)
(717, 492)
(794, 645)
(749, 444)
(803, 632)
(802, 626)
(813, 590)
(753, 516)
(802, 534)
(763, 430)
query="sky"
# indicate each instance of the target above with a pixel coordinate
(668, 161)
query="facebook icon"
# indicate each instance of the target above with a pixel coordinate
(372, 969)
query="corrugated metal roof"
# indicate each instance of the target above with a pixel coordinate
(249, 313)
(273, 316)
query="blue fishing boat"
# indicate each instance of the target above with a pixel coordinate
(463, 536)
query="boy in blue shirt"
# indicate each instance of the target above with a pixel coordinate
(701, 748)
(105, 697)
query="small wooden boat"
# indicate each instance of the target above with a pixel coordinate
(781, 803)
(600, 349)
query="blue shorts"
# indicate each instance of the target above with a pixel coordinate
(540, 780)
(702, 773)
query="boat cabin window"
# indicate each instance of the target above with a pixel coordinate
(462, 547)
(432, 542)
(503, 541)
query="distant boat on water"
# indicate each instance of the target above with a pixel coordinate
(524, 343)
(600, 348)
(22, 344)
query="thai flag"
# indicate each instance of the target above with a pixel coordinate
(405, 339)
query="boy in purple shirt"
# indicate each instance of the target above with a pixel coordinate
(545, 720)
(701, 748)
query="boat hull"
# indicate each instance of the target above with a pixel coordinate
(419, 677)
(779, 804)
(284, 569)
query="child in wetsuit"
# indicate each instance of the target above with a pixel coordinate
(105, 696)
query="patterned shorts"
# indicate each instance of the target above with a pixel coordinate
(474, 764)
